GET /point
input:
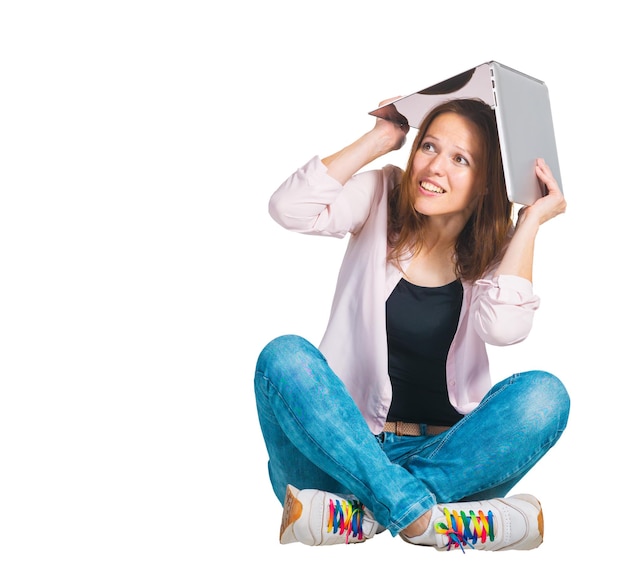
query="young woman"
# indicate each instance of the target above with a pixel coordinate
(394, 422)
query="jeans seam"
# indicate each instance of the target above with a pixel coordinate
(450, 432)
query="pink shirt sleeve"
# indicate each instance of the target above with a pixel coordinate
(312, 202)
(502, 309)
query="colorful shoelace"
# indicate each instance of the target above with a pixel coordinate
(346, 516)
(466, 529)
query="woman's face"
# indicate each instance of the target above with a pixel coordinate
(446, 168)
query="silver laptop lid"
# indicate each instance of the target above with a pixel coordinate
(523, 115)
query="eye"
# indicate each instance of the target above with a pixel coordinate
(428, 147)
(460, 159)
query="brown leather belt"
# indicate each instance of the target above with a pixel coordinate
(413, 429)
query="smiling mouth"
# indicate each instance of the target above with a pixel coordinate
(432, 188)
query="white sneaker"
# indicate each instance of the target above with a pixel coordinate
(314, 517)
(500, 524)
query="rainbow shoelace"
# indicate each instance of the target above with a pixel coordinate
(346, 516)
(466, 529)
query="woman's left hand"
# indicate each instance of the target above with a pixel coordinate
(548, 206)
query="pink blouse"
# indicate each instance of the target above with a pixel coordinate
(496, 310)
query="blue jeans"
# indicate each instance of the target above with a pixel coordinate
(316, 437)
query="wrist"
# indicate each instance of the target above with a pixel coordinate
(528, 222)
(385, 139)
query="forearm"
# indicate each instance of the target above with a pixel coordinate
(383, 138)
(518, 258)
(349, 160)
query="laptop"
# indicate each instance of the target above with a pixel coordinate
(523, 115)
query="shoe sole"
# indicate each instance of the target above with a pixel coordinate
(292, 510)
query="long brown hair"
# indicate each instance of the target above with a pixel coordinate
(481, 242)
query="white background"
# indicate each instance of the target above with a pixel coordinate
(140, 274)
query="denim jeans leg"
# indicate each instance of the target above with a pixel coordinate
(310, 422)
(486, 453)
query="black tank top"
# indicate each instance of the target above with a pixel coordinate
(421, 323)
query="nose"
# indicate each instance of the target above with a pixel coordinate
(437, 164)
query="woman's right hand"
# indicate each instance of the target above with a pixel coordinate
(392, 129)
